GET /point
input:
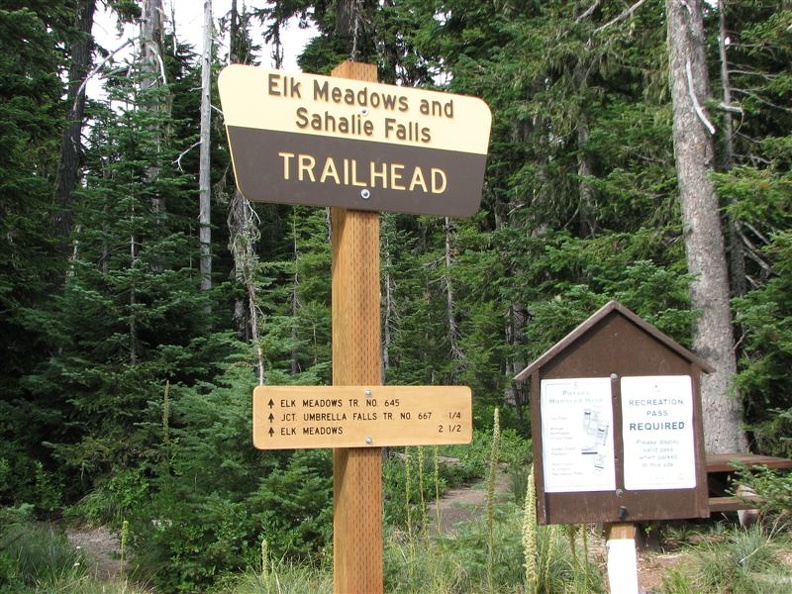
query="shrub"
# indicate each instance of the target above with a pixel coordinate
(113, 500)
(295, 506)
(190, 543)
(186, 538)
(774, 486)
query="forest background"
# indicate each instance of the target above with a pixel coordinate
(142, 298)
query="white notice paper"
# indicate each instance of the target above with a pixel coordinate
(657, 421)
(577, 435)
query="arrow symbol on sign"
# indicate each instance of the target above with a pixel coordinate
(271, 431)
(271, 403)
(271, 417)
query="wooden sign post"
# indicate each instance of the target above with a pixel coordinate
(360, 148)
(357, 472)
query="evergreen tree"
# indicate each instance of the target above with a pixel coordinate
(31, 265)
(756, 191)
(131, 310)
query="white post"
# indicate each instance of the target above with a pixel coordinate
(622, 559)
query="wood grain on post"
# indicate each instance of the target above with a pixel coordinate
(357, 472)
(620, 530)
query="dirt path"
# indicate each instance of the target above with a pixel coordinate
(464, 504)
(101, 549)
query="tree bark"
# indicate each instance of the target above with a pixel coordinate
(242, 230)
(704, 245)
(205, 180)
(152, 69)
(151, 41)
(294, 298)
(345, 16)
(71, 145)
(451, 307)
(243, 234)
(389, 311)
(586, 192)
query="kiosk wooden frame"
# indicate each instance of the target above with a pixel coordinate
(615, 343)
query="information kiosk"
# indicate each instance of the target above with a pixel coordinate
(616, 422)
(617, 431)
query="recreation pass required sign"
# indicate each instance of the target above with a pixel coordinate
(329, 141)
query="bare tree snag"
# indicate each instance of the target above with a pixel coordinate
(205, 181)
(704, 245)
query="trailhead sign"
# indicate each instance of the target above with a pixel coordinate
(330, 141)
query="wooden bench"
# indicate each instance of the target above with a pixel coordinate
(720, 474)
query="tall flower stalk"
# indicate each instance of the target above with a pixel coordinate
(529, 538)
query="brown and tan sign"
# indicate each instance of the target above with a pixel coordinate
(296, 417)
(326, 141)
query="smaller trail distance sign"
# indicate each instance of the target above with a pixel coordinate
(328, 141)
(295, 417)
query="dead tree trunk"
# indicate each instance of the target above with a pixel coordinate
(693, 133)
(736, 249)
(451, 306)
(71, 144)
(205, 181)
(243, 232)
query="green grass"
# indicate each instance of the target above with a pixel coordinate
(732, 560)
(32, 554)
(280, 578)
(745, 561)
(37, 559)
(499, 550)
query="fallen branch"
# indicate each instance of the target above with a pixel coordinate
(624, 15)
(97, 68)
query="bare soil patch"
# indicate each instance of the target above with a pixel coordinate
(654, 566)
(463, 504)
(101, 549)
